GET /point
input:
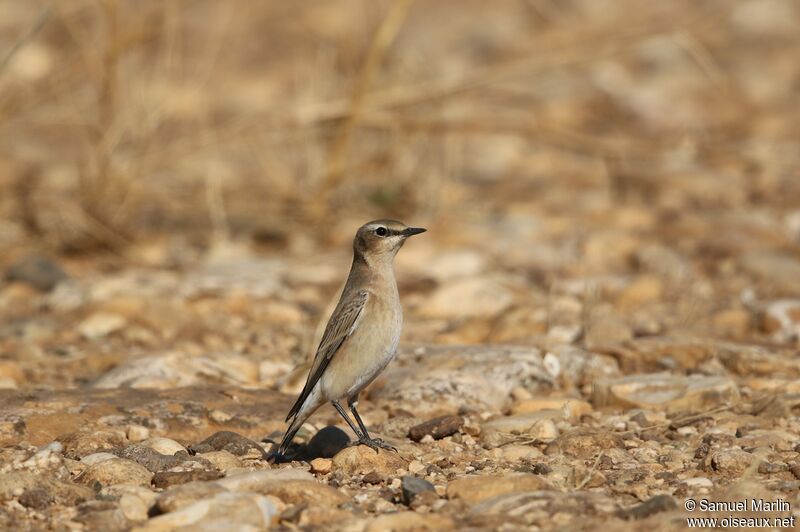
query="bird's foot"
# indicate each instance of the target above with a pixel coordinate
(375, 444)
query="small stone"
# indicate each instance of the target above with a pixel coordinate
(117, 471)
(225, 440)
(409, 522)
(222, 460)
(534, 425)
(437, 428)
(150, 459)
(100, 325)
(96, 458)
(137, 433)
(223, 511)
(674, 393)
(133, 508)
(361, 459)
(39, 271)
(180, 496)
(36, 498)
(733, 460)
(164, 445)
(412, 487)
(570, 408)
(584, 443)
(415, 466)
(699, 482)
(321, 466)
(373, 477)
(165, 479)
(474, 489)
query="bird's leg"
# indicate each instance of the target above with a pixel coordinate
(374, 443)
(342, 413)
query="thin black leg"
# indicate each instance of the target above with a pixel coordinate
(342, 413)
(374, 443)
(358, 420)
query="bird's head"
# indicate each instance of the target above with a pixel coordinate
(382, 238)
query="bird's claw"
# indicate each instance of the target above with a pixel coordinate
(376, 444)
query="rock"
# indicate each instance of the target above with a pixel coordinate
(699, 482)
(410, 522)
(180, 496)
(412, 487)
(533, 425)
(36, 498)
(164, 446)
(779, 270)
(255, 481)
(96, 458)
(673, 393)
(570, 408)
(137, 433)
(437, 428)
(227, 441)
(223, 511)
(289, 485)
(321, 466)
(165, 479)
(441, 379)
(222, 460)
(134, 508)
(469, 297)
(116, 471)
(373, 477)
(652, 506)
(172, 370)
(101, 324)
(361, 459)
(85, 442)
(150, 459)
(16, 483)
(474, 489)
(39, 271)
(327, 442)
(605, 329)
(584, 443)
(733, 461)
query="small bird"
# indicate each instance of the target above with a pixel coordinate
(362, 334)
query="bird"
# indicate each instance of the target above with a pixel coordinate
(362, 333)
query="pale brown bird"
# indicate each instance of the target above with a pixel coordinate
(362, 334)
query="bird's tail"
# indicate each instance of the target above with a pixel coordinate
(294, 426)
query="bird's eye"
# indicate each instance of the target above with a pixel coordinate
(381, 231)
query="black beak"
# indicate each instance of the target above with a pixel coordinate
(411, 231)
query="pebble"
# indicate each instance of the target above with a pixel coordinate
(223, 511)
(137, 433)
(163, 445)
(321, 466)
(360, 459)
(474, 489)
(437, 428)
(117, 471)
(411, 487)
(674, 393)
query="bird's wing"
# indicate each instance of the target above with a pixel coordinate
(341, 326)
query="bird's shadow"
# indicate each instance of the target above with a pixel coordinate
(325, 444)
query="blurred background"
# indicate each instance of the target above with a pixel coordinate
(185, 176)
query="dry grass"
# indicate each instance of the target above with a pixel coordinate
(123, 119)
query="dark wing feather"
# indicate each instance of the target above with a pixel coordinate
(341, 325)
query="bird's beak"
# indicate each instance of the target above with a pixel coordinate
(411, 231)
